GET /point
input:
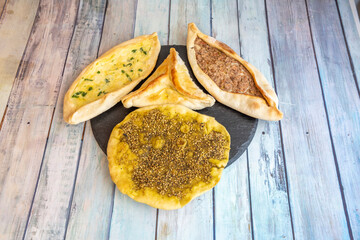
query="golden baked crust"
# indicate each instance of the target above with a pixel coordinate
(169, 84)
(167, 155)
(105, 81)
(264, 107)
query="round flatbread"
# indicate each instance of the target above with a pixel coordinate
(167, 155)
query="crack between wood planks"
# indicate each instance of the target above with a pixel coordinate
(3, 10)
(280, 127)
(211, 19)
(135, 11)
(329, 128)
(111, 211)
(2, 120)
(347, 49)
(156, 223)
(168, 37)
(249, 192)
(214, 212)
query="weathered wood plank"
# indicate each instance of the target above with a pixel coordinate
(13, 41)
(196, 11)
(315, 198)
(351, 27)
(195, 220)
(231, 195)
(92, 202)
(232, 203)
(341, 99)
(127, 215)
(153, 17)
(51, 203)
(30, 108)
(269, 199)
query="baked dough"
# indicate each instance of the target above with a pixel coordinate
(105, 81)
(169, 84)
(260, 102)
(166, 155)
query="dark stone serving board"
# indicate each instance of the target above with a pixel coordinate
(241, 127)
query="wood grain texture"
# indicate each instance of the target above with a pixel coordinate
(92, 202)
(152, 16)
(351, 27)
(31, 105)
(195, 220)
(341, 99)
(269, 197)
(128, 216)
(315, 198)
(196, 11)
(51, 203)
(232, 203)
(231, 195)
(2, 7)
(20, 14)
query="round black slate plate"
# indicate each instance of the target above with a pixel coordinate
(241, 127)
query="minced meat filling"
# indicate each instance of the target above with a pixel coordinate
(229, 74)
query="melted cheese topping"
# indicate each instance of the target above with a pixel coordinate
(112, 72)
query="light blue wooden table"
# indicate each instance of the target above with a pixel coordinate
(299, 178)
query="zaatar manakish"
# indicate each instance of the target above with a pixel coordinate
(167, 155)
(229, 78)
(104, 82)
(169, 84)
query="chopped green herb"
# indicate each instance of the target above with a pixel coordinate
(83, 94)
(131, 70)
(142, 50)
(129, 64)
(122, 71)
(90, 88)
(101, 93)
(98, 72)
(127, 75)
(131, 58)
(124, 65)
(88, 79)
(140, 70)
(134, 50)
(75, 96)
(107, 80)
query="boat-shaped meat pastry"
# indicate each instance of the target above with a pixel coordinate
(171, 83)
(105, 81)
(229, 78)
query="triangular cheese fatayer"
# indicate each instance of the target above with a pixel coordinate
(170, 83)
